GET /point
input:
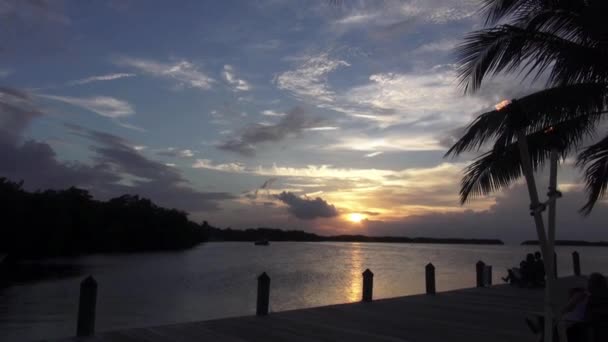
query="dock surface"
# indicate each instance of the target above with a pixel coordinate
(490, 314)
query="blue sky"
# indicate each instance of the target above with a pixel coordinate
(292, 114)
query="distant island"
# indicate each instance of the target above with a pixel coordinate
(570, 243)
(271, 234)
(70, 222)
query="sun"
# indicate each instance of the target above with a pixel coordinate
(355, 217)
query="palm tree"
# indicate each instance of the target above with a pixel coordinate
(567, 41)
(564, 39)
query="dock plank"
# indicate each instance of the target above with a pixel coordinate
(477, 314)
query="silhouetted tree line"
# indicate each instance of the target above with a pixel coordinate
(254, 234)
(70, 222)
(569, 243)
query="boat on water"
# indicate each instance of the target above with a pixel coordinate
(261, 243)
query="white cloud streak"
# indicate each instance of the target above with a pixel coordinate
(185, 73)
(99, 78)
(102, 105)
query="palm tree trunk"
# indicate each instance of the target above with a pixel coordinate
(549, 258)
(539, 223)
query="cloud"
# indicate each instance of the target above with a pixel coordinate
(228, 167)
(322, 128)
(293, 123)
(414, 97)
(389, 142)
(17, 112)
(307, 209)
(185, 73)
(237, 83)
(373, 154)
(270, 112)
(102, 105)
(173, 152)
(508, 218)
(108, 77)
(386, 14)
(309, 79)
(116, 168)
(444, 45)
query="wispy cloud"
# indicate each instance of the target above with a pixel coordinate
(270, 112)
(227, 167)
(174, 152)
(444, 45)
(373, 154)
(236, 83)
(293, 123)
(102, 105)
(309, 79)
(185, 73)
(322, 128)
(108, 77)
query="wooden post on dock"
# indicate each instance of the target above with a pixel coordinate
(479, 268)
(368, 285)
(555, 264)
(487, 275)
(430, 279)
(263, 295)
(576, 263)
(86, 307)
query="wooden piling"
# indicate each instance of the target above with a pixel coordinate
(479, 268)
(86, 307)
(263, 295)
(430, 279)
(555, 265)
(576, 263)
(488, 275)
(368, 285)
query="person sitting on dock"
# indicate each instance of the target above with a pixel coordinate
(514, 275)
(539, 270)
(585, 315)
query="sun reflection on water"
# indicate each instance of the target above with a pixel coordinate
(356, 268)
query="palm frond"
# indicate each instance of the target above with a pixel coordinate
(495, 10)
(508, 48)
(501, 166)
(595, 160)
(542, 109)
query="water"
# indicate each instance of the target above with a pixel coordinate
(219, 280)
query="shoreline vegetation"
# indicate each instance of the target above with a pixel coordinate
(272, 234)
(570, 243)
(70, 222)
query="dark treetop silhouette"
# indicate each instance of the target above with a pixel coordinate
(71, 222)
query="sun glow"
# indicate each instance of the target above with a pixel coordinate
(355, 217)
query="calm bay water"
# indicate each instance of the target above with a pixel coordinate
(217, 280)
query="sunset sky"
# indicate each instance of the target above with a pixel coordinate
(313, 115)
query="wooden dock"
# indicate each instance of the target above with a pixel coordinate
(488, 314)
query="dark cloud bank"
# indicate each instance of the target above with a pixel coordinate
(117, 168)
(307, 209)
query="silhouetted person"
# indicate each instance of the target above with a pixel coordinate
(585, 315)
(528, 270)
(539, 270)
